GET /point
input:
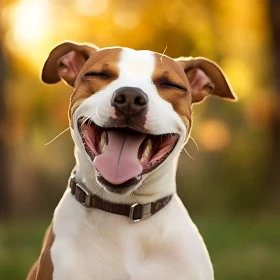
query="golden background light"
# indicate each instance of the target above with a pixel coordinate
(30, 31)
(91, 7)
(29, 19)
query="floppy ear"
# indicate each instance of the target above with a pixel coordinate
(206, 78)
(65, 62)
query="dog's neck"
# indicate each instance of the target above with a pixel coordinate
(160, 183)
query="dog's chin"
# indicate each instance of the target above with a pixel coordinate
(124, 189)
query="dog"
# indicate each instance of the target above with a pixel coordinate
(130, 115)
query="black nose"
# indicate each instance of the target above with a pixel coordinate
(130, 101)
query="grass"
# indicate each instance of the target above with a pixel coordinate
(239, 249)
(242, 250)
(19, 247)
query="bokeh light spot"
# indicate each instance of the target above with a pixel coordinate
(29, 18)
(126, 19)
(91, 7)
(213, 135)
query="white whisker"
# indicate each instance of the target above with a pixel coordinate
(188, 154)
(194, 142)
(85, 119)
(163, 54)
(57, 136)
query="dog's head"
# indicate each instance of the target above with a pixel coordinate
(131, 111)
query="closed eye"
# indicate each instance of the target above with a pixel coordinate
(172, 85)
(97, 74)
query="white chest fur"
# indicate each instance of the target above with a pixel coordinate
(93, 244)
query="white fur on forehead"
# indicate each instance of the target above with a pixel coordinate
(136, 65)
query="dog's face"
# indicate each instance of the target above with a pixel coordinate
(130, 111)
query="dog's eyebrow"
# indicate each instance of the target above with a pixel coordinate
(169, 77)
(109, 68)
(102, 66)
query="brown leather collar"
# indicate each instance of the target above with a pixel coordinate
(135, 212)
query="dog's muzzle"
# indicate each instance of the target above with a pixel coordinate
(123, 150)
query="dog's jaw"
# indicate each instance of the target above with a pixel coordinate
(154, 185)
(158, 183)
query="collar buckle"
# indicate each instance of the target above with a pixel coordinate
(145, 212)
(87, 195)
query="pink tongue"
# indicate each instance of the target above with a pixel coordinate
(119, 163)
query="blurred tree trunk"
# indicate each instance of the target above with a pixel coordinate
(273, 183)
(4, 177)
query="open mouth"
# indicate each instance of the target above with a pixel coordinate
(122, 155)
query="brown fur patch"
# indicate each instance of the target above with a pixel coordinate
(103, 61)
(167, 71)
(43, 267)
